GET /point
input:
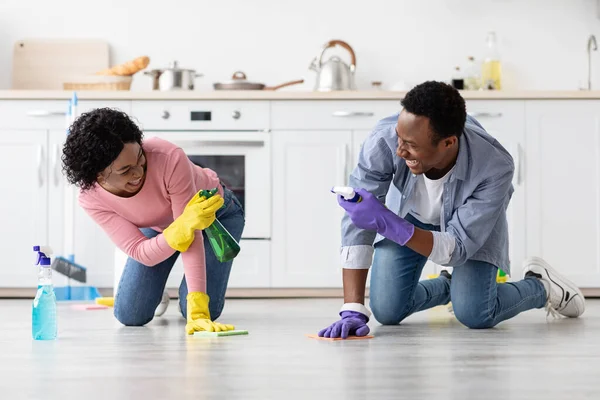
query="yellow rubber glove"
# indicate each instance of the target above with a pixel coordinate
(198, 315)
(198, 214)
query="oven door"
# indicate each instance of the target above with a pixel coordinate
(242, 161)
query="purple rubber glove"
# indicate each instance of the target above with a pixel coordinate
(352, 323)
(370, 214)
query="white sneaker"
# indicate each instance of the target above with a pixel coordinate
(164, 303)
(564, 297)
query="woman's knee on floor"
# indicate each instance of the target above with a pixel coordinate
(129, 317)
(473, 314)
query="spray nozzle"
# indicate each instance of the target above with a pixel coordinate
(347, 193)
(43, 255)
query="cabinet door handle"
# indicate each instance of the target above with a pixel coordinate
(40, 165)
(519, 167)
(45, 113)
(352, 114)
(219, 143)
(56, 165)
(485, 114)
(345, 165)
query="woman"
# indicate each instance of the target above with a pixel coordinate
(144, 195)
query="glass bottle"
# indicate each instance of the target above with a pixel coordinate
(491, 69)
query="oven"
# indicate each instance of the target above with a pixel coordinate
(232, 139)
(242, 161)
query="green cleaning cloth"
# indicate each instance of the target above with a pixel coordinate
(225, 333)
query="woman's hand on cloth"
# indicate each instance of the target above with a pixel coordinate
(198, 315)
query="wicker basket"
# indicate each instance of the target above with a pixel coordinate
(99, 82)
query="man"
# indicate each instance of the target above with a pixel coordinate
(446, 184)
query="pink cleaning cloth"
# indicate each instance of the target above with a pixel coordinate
(84, 307)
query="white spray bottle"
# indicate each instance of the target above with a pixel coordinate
(347, 193)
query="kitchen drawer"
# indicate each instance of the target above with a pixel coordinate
(33, 114)
(47, 114)
(202, 115)
(498, 114)
(342, 114)
(88, 105)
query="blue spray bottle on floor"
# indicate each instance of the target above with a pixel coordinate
(43, 314)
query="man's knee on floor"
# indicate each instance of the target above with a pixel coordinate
(128, 318)
(473, 316)
(386, 315)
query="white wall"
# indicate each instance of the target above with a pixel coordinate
(543, 42)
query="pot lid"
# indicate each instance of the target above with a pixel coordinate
(239, 77)
(173, 66)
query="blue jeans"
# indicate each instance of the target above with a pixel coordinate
(477, 300)
(141, 287)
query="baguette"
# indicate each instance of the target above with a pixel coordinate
(127, 69)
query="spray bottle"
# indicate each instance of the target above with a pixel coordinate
(347, 193)
(502, 277)
(43, 313)
(223, 244)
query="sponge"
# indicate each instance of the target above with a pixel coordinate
(224, 333)
(106, 301)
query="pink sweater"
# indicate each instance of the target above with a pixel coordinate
(171, 181)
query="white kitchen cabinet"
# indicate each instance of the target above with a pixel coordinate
(32, 134)
(248, 269)
(563, 178)
(24, 200)
(306, 216)
(315, 146)
(251, 268)
(331, 115)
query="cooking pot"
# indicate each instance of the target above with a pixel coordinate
(173, 78)
(239, 82)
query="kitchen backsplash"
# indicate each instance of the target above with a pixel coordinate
(542, 43)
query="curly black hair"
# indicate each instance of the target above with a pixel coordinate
(95, 140)
(442, 104)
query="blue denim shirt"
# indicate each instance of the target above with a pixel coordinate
(475, 197)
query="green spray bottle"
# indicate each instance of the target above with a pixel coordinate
(221, 241)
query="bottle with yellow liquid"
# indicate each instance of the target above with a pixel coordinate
(491, 68)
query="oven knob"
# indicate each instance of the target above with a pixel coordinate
(166, 115)
(236, 114)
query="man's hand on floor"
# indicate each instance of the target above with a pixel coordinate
(352, 323)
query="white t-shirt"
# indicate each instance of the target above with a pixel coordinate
(427, 199)
(426, 206)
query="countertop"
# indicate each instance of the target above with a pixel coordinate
(281, 95)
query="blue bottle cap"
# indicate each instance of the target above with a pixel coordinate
(43, 253)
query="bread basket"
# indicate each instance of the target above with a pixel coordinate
(99, 82)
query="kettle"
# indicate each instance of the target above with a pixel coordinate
(334, 74)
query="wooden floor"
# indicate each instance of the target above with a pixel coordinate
(430, 356)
